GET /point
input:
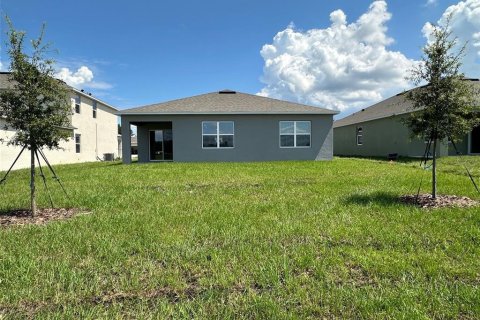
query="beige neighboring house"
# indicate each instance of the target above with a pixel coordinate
(94, 133)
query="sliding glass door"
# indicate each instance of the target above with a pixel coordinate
(161, 145)
(475, 141)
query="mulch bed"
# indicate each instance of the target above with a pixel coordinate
(23, 217)
(441, 201)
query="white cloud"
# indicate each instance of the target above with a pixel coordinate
(82, 78)
(431, 2)
(78, 78)
(343, 66)
(465, 25)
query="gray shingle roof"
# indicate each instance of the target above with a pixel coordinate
(392, 106)
(395, 105)
(6, 84)
(227, 102)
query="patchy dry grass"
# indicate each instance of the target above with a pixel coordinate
(244, 240)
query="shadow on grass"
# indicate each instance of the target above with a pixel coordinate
(382, 198)
(400, 159)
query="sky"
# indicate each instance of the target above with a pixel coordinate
(342, 55)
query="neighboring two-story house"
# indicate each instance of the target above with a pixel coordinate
(94, 133)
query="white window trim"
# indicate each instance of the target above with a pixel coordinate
(79, 105)
(358, 142)
(358, 135)
(294, 135)
(79, 143)
(218, 134)
(94, 110)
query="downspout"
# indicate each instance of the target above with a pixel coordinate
(96, 141)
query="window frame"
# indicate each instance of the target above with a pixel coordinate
(94, 109)
(218, 134)
(295, 134)
(150, 146)
(78, 145)
(78, 105)
(359, 134)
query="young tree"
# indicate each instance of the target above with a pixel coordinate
(444, 108)
(37, 105)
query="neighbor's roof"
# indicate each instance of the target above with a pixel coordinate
(226, 102)
(393, 106)
(5, 83)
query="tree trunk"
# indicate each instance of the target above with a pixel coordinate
(32, 182)
(434, 170)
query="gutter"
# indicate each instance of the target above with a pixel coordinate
(93, 98)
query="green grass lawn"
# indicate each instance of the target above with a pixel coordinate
(274, 240)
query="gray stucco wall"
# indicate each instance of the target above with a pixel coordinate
(462, 147)
(380, 138)
(256, 137)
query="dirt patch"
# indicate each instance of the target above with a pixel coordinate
(426, 201)
(23, 217)
(121, 297)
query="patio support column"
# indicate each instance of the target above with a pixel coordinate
(126, 142)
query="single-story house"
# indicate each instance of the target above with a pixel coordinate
(378, 131)
(228, 126)
(94, 133)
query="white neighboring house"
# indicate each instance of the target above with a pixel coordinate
(94, 133)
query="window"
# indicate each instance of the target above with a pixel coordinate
(77, 143)
(94, 108)
(359, 136)
(217, 134)
(295, 134)
(77, 103)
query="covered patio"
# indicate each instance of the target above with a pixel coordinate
(154, 139)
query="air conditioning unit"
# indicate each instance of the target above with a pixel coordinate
(108, 157)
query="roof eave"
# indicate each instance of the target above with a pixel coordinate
(332, 113)
(93, 98)
(371, 119)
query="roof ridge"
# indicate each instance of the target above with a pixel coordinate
(299, 104)
(237, 93)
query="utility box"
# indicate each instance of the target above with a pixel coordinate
(108, 157)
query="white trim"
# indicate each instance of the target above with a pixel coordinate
(218, 135)
(359, 143)
(79, 104)
(93, 98)
(294, 135)
(94, 109)
(358, 135)
(79, 135)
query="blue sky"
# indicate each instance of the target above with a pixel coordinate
(142, 52)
